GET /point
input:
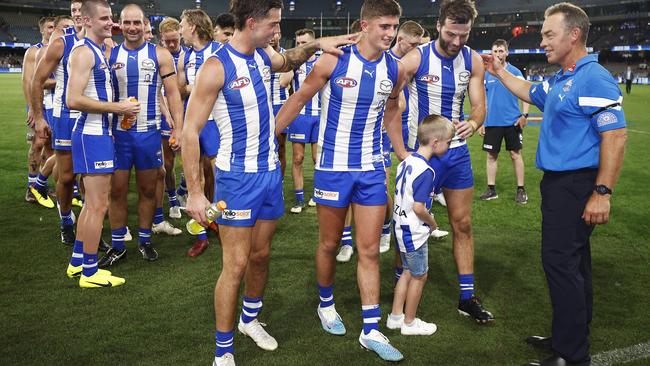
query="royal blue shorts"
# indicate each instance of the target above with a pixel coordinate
(453, 170)
(92, 154)
(62, 133)
(339, 189)
(165, 129)
(141, 150)
(304, 129)
(249, 196)
(48, 116)
(209, 139)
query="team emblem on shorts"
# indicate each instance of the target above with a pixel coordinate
(430, 79)
(606, 118)
(345, 82)
(239, 83)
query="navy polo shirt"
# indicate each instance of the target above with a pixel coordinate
(571, 128)
(502, 105)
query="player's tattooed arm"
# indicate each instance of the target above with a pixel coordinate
(292, 59)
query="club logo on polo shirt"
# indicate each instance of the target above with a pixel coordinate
(345, 82)
(236, 214)
(326, 195)
(567, 86)
(606, 118)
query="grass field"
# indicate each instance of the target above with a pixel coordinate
(164, 314)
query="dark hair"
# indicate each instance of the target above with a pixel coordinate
(500, 42)
(379, 8)
(225, 20)
(201, 20)
(574, 17)
(256, 9)
(458, 11)
(304, 31)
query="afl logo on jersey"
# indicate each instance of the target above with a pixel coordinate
(117, 66)
(239, 83)
(103, 66)
(345, 82)
(430, 79)
(148, 64)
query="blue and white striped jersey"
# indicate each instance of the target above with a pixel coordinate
(244, 113)
(405, 114)
(193, 59)
(413, 183)
(312, 107)
(135, 73)
(438, 87)
(48, 94)
(59, 107)
(278, 94)
(352, 111)
(99, 88)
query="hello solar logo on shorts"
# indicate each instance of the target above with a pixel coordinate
(326, 195)
(236, 214)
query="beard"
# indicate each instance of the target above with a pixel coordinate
(447, 47)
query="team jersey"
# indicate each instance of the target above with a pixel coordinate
(59, 105)
(414, 183)
(405, 114)
(98, 88)
(438, 87)
(69, 31)
(352, 111)
(502, 105)
(278, 94)
(193, 60)
(48, 94)
(312, 107)
(244, 113)
(135, 73)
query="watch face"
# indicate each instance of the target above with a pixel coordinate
(601, 189)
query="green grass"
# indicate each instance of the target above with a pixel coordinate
(164, 314)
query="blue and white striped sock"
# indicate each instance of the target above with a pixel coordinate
(66, 218)
(225, 343)
(202, 235)
(171, 195)
(31, 179)
(144, 236)
(385, 228)
(182, 188)
(41, 182)
(398, 273)
(346, 239)
(117, 238)
(371, 315)
(466, 282)
(300, 195)
(75, 189)
(326, 294)
(251, 307)
(158, 216)
(77, 257)
(89, 264)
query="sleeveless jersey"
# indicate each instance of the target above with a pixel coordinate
(278, 94)
(312, 107)
(59, 107)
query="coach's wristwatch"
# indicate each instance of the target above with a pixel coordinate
(602, 189)
(525, 115)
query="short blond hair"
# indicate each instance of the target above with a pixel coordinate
(169, 24)
(434, 127)
(411, 28)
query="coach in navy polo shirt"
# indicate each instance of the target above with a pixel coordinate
(580, 150)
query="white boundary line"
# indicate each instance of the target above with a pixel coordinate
(622, 355)
(641, 132)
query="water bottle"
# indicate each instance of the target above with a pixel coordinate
(213, 212)
(128, 120)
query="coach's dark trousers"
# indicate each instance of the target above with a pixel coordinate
(566, 257)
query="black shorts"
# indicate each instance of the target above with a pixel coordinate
(493, 135)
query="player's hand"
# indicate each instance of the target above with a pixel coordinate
(175, 140)
(128, 107)
(521, 122)
(464, 129)
(481, 131)
(331, 44)
(170, 121)
(492, 64)
(30, 118)
(597, 209)
(41, 128)
(196, 206)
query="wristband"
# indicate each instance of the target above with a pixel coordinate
(525, 115)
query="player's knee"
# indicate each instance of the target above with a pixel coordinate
(462, 226)
(420, 276)
(66, 177)
(260, 257)
(162, 172)
(236, 266)
(298, 158)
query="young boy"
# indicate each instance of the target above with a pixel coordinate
(413, 224)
